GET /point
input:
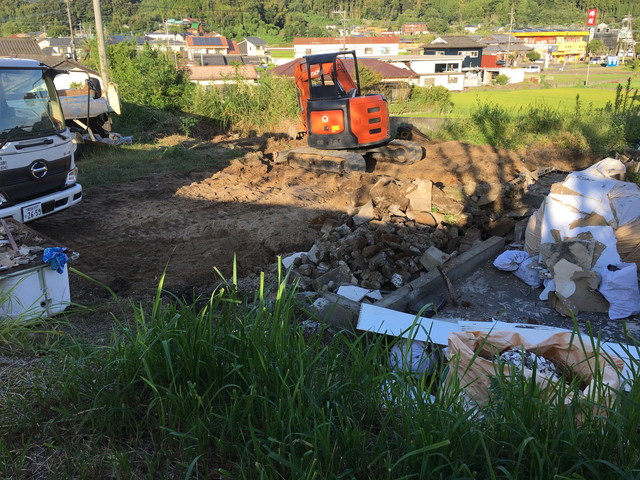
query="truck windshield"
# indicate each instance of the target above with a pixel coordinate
(29, 105)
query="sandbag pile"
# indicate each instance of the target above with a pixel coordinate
(587, 230)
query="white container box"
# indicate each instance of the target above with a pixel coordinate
(36, 292)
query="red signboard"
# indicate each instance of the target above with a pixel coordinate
(591, 17)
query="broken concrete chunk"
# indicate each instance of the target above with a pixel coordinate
(336, 310)
(578, 252)
(387, 192)
(288, 261)
(353, 292)
(486, 193)
(433, 257)
(420, 198)
(424, 218)
(396, 210)
(312, 254)
(339, 275)
(328, 225)
(501, 226)
(305, 270)
(575, 289)
(397, 280)
(366, 213)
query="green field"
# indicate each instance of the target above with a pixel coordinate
(562, 98)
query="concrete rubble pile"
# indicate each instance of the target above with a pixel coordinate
(387, 242)
(399, 231)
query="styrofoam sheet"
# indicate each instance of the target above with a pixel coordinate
(399, 324)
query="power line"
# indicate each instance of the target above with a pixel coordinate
(12, 19)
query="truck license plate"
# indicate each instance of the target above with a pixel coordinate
(31, 211)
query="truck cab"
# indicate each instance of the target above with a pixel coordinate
(37, 166)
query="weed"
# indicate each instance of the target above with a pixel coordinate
(187, 124)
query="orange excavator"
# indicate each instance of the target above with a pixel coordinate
(346, 131)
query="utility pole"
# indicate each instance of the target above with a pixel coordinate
(73, 43)
(102, 49)
(626, 44)
(344, 26)
(511, 14)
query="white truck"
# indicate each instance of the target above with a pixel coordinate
(37, 166)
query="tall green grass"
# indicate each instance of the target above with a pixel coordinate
(242, 107)
(585, 129)
(236, 387)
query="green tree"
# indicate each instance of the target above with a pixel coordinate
(596, 48)
(532, 56)
(369, 79)
(501, 80)
(149, 77)
(58, 31)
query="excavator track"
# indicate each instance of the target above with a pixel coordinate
(397, 151)
(339, 161)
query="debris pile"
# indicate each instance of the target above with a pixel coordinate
(18, 246)
(522, 359)
(375, 255)
(388, 241)
(586, 230)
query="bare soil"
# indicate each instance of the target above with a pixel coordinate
(127, 234)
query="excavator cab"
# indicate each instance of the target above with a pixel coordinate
(334, 112)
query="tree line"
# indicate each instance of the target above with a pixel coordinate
(282, 20)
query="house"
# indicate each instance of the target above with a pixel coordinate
(20, 47)
(213, 44)
(172, 42)
(430, 70)
(414, 28)
(117, 39)
(608, 37)
(231, 59)
(253, 46)
(363, 46)
(506, 49)
(222, 74)
(59, 47)
(559, 45)
(455, 45)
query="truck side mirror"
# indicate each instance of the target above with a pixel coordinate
(94, 86)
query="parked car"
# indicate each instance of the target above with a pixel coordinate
(597, 60)
(533, 69)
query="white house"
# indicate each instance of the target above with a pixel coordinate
(59, 47)
(253, 46)
(442, 70)
(363, 46)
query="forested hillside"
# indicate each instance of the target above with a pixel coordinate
(284, 19)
